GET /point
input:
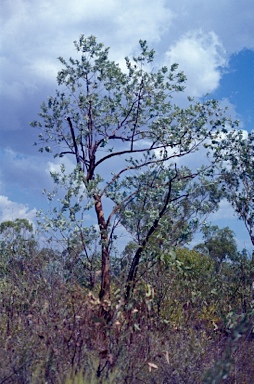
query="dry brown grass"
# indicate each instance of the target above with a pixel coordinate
(53, 331)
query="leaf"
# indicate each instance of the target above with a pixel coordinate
(136, 327)
(152, 366)
(97, 319)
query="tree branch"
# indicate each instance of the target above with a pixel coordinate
(74, 140)
(154, 226)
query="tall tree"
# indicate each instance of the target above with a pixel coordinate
(120, 126)
(219, 244)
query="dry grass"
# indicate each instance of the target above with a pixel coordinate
(52, 331)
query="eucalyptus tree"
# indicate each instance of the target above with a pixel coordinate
(16, 237)
(129, 142)
(219, 244)
(17, 243)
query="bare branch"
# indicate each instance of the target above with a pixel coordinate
(74, 140)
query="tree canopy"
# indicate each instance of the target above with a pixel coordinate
(131, 145)
(219, 244)
(235, 159)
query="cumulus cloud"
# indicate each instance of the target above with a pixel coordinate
(36, 33)
(142, 19)
(10, 210)
(230, 20)
(39, 32)
(201, 56)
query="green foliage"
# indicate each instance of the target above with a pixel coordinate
(82, 260)
(219, 244)
(187, 294)
(90, 376)
(103, 113)
(17, 243)
(188, 203)
(225, 368)
(236, 162)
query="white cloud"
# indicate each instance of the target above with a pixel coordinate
(201, 56)
(45, 69)
(10, 210)
(231, 20)
(55, 166)
(142, 19)
(36, 33)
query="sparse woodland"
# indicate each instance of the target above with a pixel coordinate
(108, 289)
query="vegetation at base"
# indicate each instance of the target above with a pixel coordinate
(185, 322)
(80, 310)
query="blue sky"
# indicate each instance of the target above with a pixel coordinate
(212, 42)
(237, 86)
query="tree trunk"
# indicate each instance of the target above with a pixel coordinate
(105, 275)
(132, 273)
(104, 293)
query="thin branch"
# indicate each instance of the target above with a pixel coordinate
(117, 207)
(74, 140)
(137, 113)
